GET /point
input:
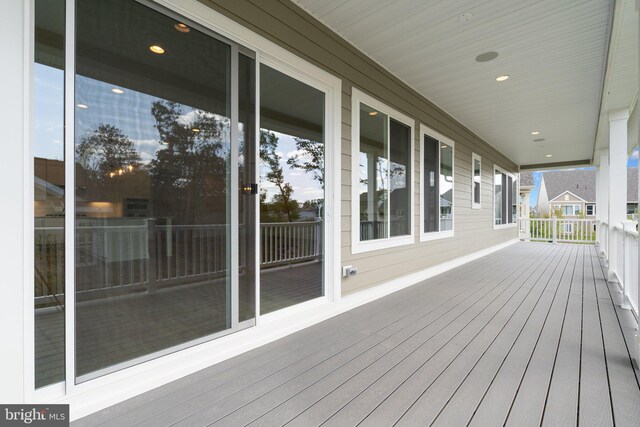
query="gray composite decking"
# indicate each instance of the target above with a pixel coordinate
(529, 335)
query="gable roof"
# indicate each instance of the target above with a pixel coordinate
(582, 183)
(526, 179)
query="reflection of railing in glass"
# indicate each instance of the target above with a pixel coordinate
(118, 255)
(290, 242)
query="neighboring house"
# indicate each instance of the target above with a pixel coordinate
(574, 192)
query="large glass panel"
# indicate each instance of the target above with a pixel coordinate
(476, 181)
(247, 179)
(497, 200)
(431, 160)
(514, 200)
(374, 174)
(152, 185)
(505, 199)
(446, 187)
(399, 176)
(292, 159)
(511, 200)
(49, 187)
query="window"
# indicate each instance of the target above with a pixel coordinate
(570, 210)
(567, 228)
(476, 180)
(436, 178)
(591, 210)
(381, 175)
(505, 201)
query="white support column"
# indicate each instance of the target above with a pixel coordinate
(13, 109)
(602, 203)
(617, 184)
(598, 197)
(525, 210)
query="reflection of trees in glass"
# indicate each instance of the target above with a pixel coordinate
(191, 169)
(312, 160)
(283, 205)
(106, 152)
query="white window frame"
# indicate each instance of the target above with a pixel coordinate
(435, 235)
(593, 209)
(475, 157)
(358, 97)
(497, 168)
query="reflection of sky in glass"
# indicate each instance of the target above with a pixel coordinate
(397, 180)
(49, 112)
(446, 180)
(304, 186)
(129, 111)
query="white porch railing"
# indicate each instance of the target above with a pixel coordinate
(115, 256)
(625, 237)
(559, 230)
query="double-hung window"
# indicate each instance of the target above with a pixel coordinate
(505, 198)
(382, 167)
(436, 183)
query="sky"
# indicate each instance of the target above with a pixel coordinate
(537, 176)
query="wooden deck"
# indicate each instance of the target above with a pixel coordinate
(530, 335)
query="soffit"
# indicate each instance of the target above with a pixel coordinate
(555, 53)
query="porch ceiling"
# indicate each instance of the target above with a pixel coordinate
(554, 52)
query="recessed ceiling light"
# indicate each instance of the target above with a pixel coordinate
(84, 106)
(118, 91)
(549, 155)
(156, 49)
(465, 17)
(373, 113)
(183, 28)
(539, 140)
(487, 56)
(502, 78)
(535, 132)
(195, 130)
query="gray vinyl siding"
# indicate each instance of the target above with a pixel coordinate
(287, 25)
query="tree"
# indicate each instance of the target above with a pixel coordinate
(312, 161)
(106, 152)
(189, 175)
(283, 201)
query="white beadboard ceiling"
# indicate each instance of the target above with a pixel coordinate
(555, 52)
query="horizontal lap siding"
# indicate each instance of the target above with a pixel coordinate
(287, 25)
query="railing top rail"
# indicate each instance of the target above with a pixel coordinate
(269, 224)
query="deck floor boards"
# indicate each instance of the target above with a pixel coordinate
(528, 335)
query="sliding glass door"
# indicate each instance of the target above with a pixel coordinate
(165, 196)
(164, 231)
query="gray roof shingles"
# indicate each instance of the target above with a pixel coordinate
(582, 183)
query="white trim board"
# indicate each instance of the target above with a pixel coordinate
(177, 365)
